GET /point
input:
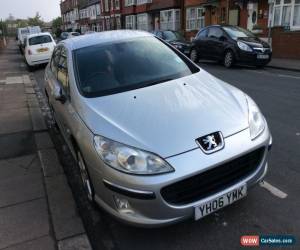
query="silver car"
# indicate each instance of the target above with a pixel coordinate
(157, 139)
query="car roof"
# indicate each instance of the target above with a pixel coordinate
(79, 42)
(38, 34)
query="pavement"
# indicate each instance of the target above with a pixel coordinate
(283, 63)
(37, 208)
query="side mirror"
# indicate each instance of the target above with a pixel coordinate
(58, 95)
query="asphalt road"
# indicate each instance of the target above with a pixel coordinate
(269, 210)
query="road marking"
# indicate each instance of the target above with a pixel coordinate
(272, 74)
(273, 190)
(289, 76)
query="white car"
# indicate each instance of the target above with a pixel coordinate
(38, 48)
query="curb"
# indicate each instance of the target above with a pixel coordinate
(69, 231)
(282, 68)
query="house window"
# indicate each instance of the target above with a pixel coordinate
(117, 4)
(106, 6)
(286, 13)
(170, 19)
(111, 4)
(130, 2)
(118, 21)
(143, 22)
(98, 9)
(194, 18)
(107, 22)
(140, 2)
(296, 16)
(130, 22)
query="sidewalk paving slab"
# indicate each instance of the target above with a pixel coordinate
(37, 119)
(80, 242)
(43, 243)
(16, 144)
(64, 214)
(23, 222)
(14, 120)
(43, 140)
(14, 79)
(21, 188)
(50, 162)
(20, 166)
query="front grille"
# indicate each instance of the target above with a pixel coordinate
(214, 180)
(262, 50)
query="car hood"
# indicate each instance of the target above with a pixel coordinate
(254, 42)
(167, 118)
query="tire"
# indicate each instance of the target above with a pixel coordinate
(228, 59)
(194, 56)
(85, 177)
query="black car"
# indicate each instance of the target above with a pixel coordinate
(230, 44)
(176, 39)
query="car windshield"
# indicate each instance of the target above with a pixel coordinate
(39, 40)
(117, 67)
(172, 35)
(237, 32)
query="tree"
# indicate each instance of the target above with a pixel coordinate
(56, 26)
(35, 21)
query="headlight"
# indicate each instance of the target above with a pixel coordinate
(256, 119)
(244, 46)
(128, 159)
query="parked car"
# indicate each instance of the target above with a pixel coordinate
(38, 49)
(22, 33)
(176, 39)
(157, 139)
(66, 35)
(230, 45)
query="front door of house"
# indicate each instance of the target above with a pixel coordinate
(252, 15)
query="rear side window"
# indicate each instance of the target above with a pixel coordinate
(62, 73)
(39, 40)
(202, 34)
(55, 61)
(215, 32)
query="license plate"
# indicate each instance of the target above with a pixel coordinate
(42, 50)
(262, 56)
(220, 202)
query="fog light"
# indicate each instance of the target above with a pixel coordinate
(122, 204)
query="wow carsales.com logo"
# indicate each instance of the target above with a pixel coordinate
(275, 240)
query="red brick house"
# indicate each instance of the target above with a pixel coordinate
(152, 14)
(111, 14)
(244, 13)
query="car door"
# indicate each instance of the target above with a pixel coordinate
(200, 42)
(215, 42)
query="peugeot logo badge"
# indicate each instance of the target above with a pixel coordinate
(211, 143)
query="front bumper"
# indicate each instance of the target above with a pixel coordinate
(251, 58)
(155, 211)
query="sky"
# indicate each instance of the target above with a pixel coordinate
(48, 9)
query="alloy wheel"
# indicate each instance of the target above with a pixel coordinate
(228, 59)
(194, 55)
